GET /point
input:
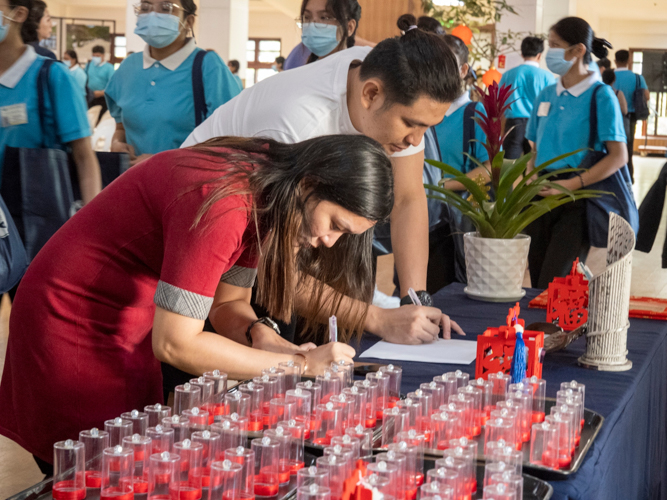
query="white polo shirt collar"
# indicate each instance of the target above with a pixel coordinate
(13, 75)
(532, 63)
(579, 88)
(459, 102)
(622, 69)
(173, 61)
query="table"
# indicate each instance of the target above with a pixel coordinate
(628, 460)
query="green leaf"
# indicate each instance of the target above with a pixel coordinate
(509, 177)
(470, 185)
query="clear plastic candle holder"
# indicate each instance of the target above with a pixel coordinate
(478, 414)
(292, 374)
(181, 426)
(211, 448)
(512, 458)
(382, 381)
(462, 378)
(566, 414)
(347, 407)
(219, 380)
(458, 467)
(312, 475)
(500, 491)
(246, 458)
(337, 467)
(329, 423)
(415, 461)
(280, 409)
(488, 403)
(302, 400)
(573, 399)
(271, 386)
(449, 477)
(395, 420)
(414, 411)
(256, 393)
(406, 488)
(515, 482)
(350, 443)
(297, 432)
(69, 482)
(573, 405)
(237, 402)
(342, 455)
(491, 468)
(207, 402)
(437, 393)
(359, 399)
(340, 373)
(191, 469)
(231, 435)
(117, 473)
(141, 447)
(164, 476)
(348, 368)
(225, 481)
(267, 459)
(395, 373)
(388, 471)
(279, 374)
(510, 414)
(94, 441)
(498, 429)
(198, 418)
(365, 437)
(424, 420)
(580, 388)
(539, 391)
(457, 411)
(501, 383)
(284, 439)
(524, 401)
(315, 391)
(465, 402)
(331, 385)
(435, 490)
(139, 421)
(449, 386)
(469, 473)
(470, 446)
(491, 446)
(162, 438)
(118, 428)
(186, 396)
(513, 408)
(544, 445)
(445, 428)
(156, 413)
(378, 484)
(313, 492)
(242, 422)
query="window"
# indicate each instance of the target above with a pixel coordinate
(261, 55)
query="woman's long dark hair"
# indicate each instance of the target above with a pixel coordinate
(344, 11)
(31, 24)
(351, 171)
(575, 30)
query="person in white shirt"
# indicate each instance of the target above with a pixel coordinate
(393, 94)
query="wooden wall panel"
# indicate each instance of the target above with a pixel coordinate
(378, 17)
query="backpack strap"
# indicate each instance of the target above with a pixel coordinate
(42, 91)
(593, 131)
(201, 110)
(638, 82)
(468, 130)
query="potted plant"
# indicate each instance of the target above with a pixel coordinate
(496, 253)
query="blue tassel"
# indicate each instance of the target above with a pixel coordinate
(519, 360)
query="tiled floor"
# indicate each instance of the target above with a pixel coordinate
(18, 471)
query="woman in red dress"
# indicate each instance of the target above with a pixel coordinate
(129, 281)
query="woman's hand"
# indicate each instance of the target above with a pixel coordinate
(411, 325)
(266, 339)
(572, 184)
(320, 358)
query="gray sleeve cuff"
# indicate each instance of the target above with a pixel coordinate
(182, 302)
(243, 277)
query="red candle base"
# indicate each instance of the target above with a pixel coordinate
(477, 430)
(140, 484)
(564, 461)
(577, 441)
(93, 479)
(370, 423)
(392, 401)
(525, 437)
(411, 494)
(186, 492)
(67, 490)
(473, 486)
(538, 417)
(266, 490)
(294, 467)
(246, 496)
(419, 479)
(117, 493)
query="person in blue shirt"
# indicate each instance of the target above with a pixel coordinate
(626, 82)
(38, 27)
(151, 95)
(559, 124)
(99, 73)
(527, 80)
(71, 60)
(234, 67)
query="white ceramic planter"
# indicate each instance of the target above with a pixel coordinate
(495, 267)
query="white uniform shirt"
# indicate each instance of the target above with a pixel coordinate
(292, 106)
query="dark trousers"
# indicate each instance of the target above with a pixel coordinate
(631, 144)
(516, 145)
(556, 240)
(650, 215)
(102, 102)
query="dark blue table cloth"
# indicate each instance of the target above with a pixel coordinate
(628, 460)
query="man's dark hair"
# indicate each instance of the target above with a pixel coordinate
(622, 56)
(280, 60)
(604, 64)
(532, 46)
(98, 49)
(609, 76)
(414, 65)
(234, 64)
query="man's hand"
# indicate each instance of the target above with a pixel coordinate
(411, 324)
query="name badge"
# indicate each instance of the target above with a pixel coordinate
(16, 114)
(543, 110)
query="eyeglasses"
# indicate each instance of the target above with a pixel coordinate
(159, 8)
(324, 19)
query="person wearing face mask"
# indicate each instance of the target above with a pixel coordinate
(99, 74)
(560, 123)
(234, 67)
(392, 93)
(71, 60)
(38, 27)
(156, 86)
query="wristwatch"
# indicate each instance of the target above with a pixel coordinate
(424, 298)
(265, 321)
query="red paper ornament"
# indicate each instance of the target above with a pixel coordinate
(495, 348)
(567, 302)
(463, 32)
(492, 75)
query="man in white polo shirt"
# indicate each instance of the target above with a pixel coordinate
(393, 94)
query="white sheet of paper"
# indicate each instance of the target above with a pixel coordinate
(456, 352)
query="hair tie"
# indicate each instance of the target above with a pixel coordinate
(413, 27)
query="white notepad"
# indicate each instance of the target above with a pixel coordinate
(455, 352)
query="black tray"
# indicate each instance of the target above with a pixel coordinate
(592, 424)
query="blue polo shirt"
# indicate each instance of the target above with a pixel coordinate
(80, 78)
(154, 99)
(238, 80)
(560, 121)
(527, 80)
(626, 82)
(450, 137)
(19, 112)
(99, 76)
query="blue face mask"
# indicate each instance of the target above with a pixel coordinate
(96, 60)
(557, 63)
(4, 27)
(158, 30)
(320, 38)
